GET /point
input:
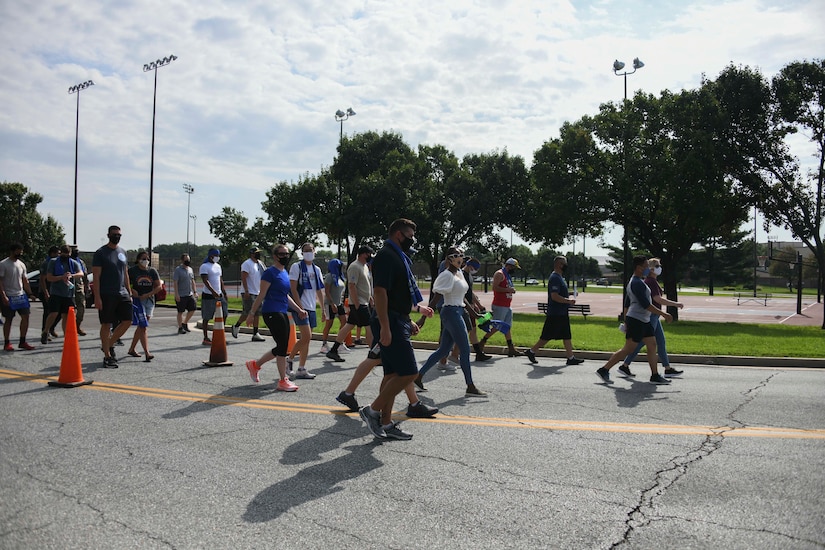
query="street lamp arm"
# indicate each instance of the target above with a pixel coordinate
(153, 65)
(82, 86)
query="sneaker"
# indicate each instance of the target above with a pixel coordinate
(446, 368)
(26, 346)
(373, 420)
(110, 363)
(344, 348)
(604, 375)
(483, 356)
(659, 379)
(624, 369)
(81, 332)
(258, 338)
(531, 355)
(253, 368)
(235, 330)
(453, 360)
(574, 361)
(420, 410)
(53, 334)
(335, 356)
(394, 432)
(181, 330)
(671, 372)
(186, 328)
(348, 401)
(359, 342)
(119, 342)
(324, 349)
(44, 338)
(112, 353)
(304, 374)
(473, 391)
(286, 385)
(419, 383)
(207, 341)
(8, 347)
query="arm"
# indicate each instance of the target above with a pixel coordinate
(353, 295)
(662, 301)
(96, 288)
(258, 301)
(383, 317)
(319, 296)
(293, 292)
(497, 278)
(207, 286)
(556, 297)
(244, 277)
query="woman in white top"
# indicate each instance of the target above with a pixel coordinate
(450, 284)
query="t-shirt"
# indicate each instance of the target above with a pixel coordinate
(275, 300)
(390, 273)
(559, 286)
(358, 274)
(60, 266)
(143, 280)
(213, 273)
(313, 274)
(12, 272)
(452, 287)
(112, 263)
(655, 289)
(184, 279)
(253, 269)
(336, 289)
(639, 295)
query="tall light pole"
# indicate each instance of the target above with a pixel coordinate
(189, 190)
(194, 230)
(76, 90)
(154, 66)
(618, 66)
(341, 116)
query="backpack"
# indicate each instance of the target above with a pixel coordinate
(161, 295)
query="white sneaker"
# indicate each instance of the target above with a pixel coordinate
(446, 368)
(258, 338)
(343, 347)
(304, 374)
(324, 348)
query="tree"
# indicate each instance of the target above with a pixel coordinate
(21, 222)
(294, 212)
(230, 227)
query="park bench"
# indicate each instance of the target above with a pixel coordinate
(742, 297)
(584, 309)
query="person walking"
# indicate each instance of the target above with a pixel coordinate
(61, 275)
(186, 293)
(637, 324)
(503, 290)
(213, 291)
(452, 286)
(44, 292)
(473, 308)
(652, 283)
(275, 302)
(15, 292)
(334, 285)
(306, 282)
(361, 301)
(251, 271)
(145, 283)
(81, 287)
(557, 321)
(396, 293)
(112, 297)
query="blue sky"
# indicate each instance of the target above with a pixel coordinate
(250, 99)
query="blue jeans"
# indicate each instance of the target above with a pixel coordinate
(453, 331)
(661, 346)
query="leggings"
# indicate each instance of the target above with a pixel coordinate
(278, 325)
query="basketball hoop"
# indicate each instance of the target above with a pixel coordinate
(762, 260)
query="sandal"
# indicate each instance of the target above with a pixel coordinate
(133, 353)
(149, 357)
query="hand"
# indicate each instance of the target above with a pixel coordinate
(5, 300)
(425, 311)
(680, 305)
(668, 317)
(414, 329)
(386, 335)
(302, 313)
(571, 302)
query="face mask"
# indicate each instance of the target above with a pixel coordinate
(144, 263)
(473, 271)
(257, 255)
(114, 239)
(564, 268)
(18, 255)
(74, 254)
(283, 260)
(309, 256)
(657, 270)
(646, 272)
(216, 259)
(407, 243)
(187, 262)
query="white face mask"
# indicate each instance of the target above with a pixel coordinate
(473, 271)
(144, 263)
(309, 256)
(657, 270)
(216, 259)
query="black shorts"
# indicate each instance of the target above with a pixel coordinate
(360, 317)
(398, 358)
(278, 325)
(8, 312)
(556, 327)
(115, 309)
(332, 311)
(186, 303)
(61, 304)
(637, 330)
(468, 320)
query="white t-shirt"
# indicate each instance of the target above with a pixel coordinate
(213, 273)
(254, 269)
(12, 272)
(308, 297)
(452, 287)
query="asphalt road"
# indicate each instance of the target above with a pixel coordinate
(172, 454)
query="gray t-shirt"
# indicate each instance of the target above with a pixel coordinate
(184, 278)
(335, 290)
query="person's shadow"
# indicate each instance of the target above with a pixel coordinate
(638, 392)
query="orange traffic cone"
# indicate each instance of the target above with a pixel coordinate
(292, 338)
(71, 370)
(217, 352)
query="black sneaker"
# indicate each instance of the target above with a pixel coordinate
(671, 372)
(394, 432)
(532, 356)
(373, 420)
(44, 338)
(624, 369)
(110, 363)
(483, 356)
(574, 361)
(604, 375)
(419, 384)
(659, 379)
(348, 401)
(181, 330)
(335, 356)
(112, 353)
(119, 342)
(235, 330)
(186, 328)
(473, 391)
(420, 410)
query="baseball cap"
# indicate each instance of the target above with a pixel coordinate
(214, 252)
(366, 249)
(254, 249)
(512, 261)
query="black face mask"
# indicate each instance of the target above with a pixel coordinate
(283, 260)
(187, 262)
(407, 243)
(114, 239)
(257, 255)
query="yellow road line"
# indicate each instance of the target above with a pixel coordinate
(524, 423)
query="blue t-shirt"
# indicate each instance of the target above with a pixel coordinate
(112, 264)
(556, 284)
(275, 300)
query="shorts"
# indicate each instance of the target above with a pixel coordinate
(469, 323)
(148, 307)
(360, 316)
(637, 330)
(186, 303)
(398, 358)
(332, 311)
(311, 319)
(115, 309)
(278, 325)
(60, 304)
(208, 307)
(556, 327)
(8, 312)
(248, 301)
(503, 314)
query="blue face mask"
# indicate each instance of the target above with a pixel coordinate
(646, 272)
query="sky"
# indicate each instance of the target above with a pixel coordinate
(251, 97)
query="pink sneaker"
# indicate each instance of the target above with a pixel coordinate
(253, 369)
(286, 385)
